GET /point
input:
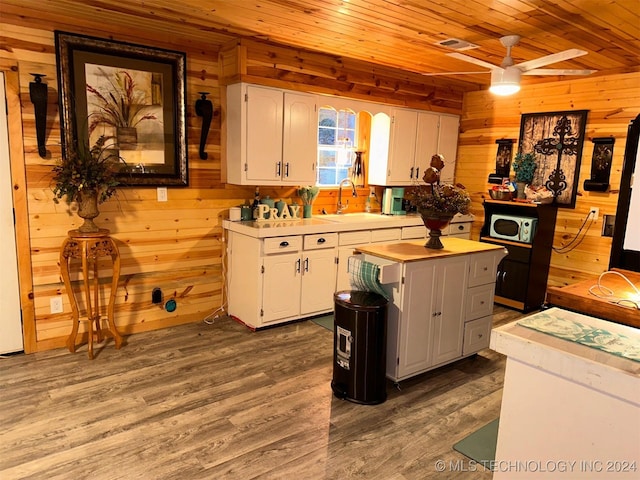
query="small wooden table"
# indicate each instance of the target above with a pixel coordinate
(89, 247)
(576, 297)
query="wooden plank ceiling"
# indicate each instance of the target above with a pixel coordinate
(395, 33)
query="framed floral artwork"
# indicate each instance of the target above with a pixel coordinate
(132, 95)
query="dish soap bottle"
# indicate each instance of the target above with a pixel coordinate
(367, 207)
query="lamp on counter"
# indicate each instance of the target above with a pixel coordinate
(505, 81)
(38, 94)
(204, 109)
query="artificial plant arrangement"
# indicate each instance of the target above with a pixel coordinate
(439, 199)
(89, 177)
(438, 203)
(524, 165)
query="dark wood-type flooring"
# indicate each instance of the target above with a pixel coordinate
(218, 401)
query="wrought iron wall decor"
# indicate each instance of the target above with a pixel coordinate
(204, 109)
(131, 93)
(557, 139)
(600, 164)
(38, 93)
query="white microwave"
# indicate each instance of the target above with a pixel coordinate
(512, 227)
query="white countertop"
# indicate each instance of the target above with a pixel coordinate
(328, 223)
(588, 366)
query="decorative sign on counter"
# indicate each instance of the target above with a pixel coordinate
(292, 212)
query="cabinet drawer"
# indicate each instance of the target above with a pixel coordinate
(386, 234)
(354, 238)
(479, 301)
(320, 240)
(458, 228)
(282, 244)
(409, 233)
(476, 335)
(483, 269)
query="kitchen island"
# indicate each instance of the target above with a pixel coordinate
(571, 400)
(441, 301)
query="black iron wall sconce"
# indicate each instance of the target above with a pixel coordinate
(38, 95)
(204, 109)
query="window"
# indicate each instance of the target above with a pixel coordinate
(336, 145)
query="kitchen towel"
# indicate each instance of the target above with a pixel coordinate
(363, 276)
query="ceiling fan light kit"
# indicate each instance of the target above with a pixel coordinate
(505, 81)
(505, 78)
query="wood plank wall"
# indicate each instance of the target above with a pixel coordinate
(178, 246)
(612, 101)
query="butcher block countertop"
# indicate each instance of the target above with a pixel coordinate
(415, 251)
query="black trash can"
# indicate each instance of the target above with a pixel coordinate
(360, 347)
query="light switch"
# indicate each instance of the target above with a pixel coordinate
(162, 194)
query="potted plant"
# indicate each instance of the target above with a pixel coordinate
(436, 203)
(524, 165)
(121, 105)
(88, 177)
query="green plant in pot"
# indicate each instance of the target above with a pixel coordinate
(524, 166)
(88, 176)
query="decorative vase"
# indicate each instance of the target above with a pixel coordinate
(307, 211)
(435, 222)
(88, 210)
(520, 186)
(127, 138)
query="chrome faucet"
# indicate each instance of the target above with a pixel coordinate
(342, 207)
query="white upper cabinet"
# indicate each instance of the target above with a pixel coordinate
(402, 146)
(271, 136)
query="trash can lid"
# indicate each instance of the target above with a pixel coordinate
(359, 299)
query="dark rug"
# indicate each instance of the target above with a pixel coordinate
(325, 321)
(481, 444)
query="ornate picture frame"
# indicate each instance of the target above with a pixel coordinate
(132, 94)
(556, 139)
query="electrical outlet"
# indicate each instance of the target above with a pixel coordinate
(162, 194)
(372, 191)
(56, 304)
(595, 211)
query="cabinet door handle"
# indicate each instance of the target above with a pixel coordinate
(461, 227)
(306, 264)
(298, 266)
(286, 169)
(284, 244)
(411, 173)
(321, 240)
(278, 169)
(417, 173)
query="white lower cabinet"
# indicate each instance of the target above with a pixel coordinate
(279, 279)
(426, 329)
(441, 311)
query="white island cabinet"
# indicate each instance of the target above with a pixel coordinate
(571, 399)
(441, 302)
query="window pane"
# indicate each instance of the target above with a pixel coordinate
(336, 145)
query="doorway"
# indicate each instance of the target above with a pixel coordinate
(11, 339)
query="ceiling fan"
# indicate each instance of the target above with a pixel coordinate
(505, 78)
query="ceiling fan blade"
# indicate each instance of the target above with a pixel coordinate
(557, 71)
(548, 59)
(467, 58)
(452, 73)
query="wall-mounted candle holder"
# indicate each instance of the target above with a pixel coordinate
(204, 109)
(38, 95)
(600, 164)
